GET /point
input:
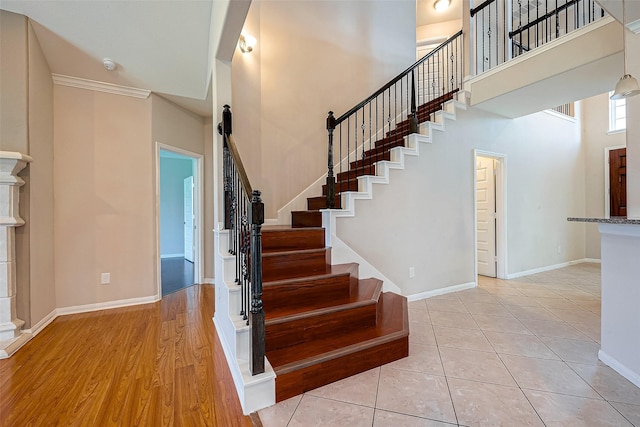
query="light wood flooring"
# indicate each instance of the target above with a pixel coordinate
(158, 364)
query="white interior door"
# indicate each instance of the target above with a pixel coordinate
(188, 219)
(486, 214)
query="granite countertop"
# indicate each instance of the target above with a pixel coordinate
(612, 220)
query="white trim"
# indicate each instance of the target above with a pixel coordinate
(501, 211)
(172, 256)
(607, 181)
(97, 86)
(550, 267)
(592, 260)
(560, 115)
(635, 27)
(105, 305)
(441, 291)
(43, 323)
(198, 206)
(209, 280)
(619, 368)
(613, 132)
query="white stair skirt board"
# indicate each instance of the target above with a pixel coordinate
(254, 391)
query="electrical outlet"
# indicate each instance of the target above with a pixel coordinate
(105, 278)
(412, 272)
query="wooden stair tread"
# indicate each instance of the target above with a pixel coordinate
(304, 219)
(368, 293)
(283, 238)
(392, 326)
(331, 270)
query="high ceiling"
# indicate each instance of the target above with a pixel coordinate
(426, 14)
(162, 46)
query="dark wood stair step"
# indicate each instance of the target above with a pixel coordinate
(339, 281)
(288, 264)
(320, 202)
(302, 219)
(295, 325)
(313, 364)
(385, 147)
(342, 186)
(283, 238)
(354, 173)
(386, 155)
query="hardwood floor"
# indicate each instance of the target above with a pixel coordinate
(158, 364)
(175, 273)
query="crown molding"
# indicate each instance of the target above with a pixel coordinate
(100, 86)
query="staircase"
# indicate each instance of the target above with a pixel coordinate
(348, 181)
(322, 322)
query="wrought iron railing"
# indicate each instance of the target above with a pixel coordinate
(565, 109)
(244, 216)
(398, 106)
(504, 29)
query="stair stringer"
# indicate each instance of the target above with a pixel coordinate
(254, 391)
(340, 251)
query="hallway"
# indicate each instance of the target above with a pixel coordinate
(514, 352)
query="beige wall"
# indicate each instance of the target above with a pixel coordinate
(595, 127)
(312, 57)
(209, 256)
(441, 29)
(41, 245)
(425, 216)
(104, 197)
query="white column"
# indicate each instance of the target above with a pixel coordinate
(11, 163)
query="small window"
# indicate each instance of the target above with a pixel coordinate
(617, 114)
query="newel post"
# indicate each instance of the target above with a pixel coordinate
(331, 183)
(225, 129)
(257, 313)
(413, 117)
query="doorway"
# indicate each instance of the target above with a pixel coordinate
(489, 214)
(178, 218)
(615, 181)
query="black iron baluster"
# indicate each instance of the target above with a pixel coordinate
(331, 183)
(413, 118)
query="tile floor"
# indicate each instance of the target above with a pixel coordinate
(520, 352)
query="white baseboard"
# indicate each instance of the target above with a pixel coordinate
(38, 327)
(634, 377)
(441, 291)
(106, 305)
(591, 260)
(209, 281)
(550, 267)
(171, 256)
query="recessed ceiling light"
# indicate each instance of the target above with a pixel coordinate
(441, 5)
(109, 64)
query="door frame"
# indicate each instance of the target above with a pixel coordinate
(198, 207)
(607, 180)
(501, 211)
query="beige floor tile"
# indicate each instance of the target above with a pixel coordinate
(449, 305)
(476, 366)
(630, 412)
(553, 328)
(494, 309)
(392, 419)
(468, 339)
(451, 296)
(481, 404)
(574, 350)
(526, 312)
(480, 296)
(279, 414)
(555, 303)
(421, 333)
(539, 291)
(316, 411)
(558, 410)
(451, 319)
(420, 304)
(592, 330)
(610, 384)
(415, 394)
(421, 316)
(360, 389)
(517, 300)
(422, 358)
(500, 324)
(519, 345)
(576, 316)
(547, 375)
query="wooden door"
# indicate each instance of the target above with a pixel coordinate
(486, 216)
(618, 182)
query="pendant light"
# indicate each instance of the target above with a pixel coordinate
(628, 85)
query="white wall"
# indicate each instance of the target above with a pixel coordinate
(172, 175)
(311, 57)
(633, 130)
(595, 127)
(425, 217)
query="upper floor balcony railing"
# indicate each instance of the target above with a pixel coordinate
(504, 29)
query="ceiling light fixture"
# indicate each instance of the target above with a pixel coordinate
(109, 64)
(441, 5)
(627, 85)
(247, 43)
